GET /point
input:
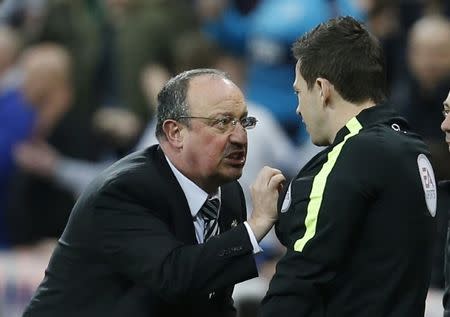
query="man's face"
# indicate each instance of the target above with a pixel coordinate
(214, 155)
(46, 85)
(310, 108)
(429, 56)
(445, 126)
(430, 62)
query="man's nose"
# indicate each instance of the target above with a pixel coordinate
(445, 125)
(238, 134)
(297, 110)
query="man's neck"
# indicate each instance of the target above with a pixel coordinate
(178, 163)
(346, 111)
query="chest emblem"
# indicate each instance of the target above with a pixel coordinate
(428, 183)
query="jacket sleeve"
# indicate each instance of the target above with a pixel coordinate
(139, 245)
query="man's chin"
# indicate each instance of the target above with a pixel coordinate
(320, 142)
(232, 174)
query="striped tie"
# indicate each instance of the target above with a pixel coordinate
(210, 212)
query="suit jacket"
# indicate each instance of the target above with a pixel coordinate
(129, 249)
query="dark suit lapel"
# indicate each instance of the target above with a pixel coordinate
(180, 215)
(229, 210)
(182, 223)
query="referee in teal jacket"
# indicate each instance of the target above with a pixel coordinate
(358, 219)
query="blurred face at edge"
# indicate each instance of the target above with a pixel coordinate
(445, 126)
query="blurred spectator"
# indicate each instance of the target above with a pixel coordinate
(119, 128)
(384, 22)
(426, 84)
(16, 118)
(32, 111)
(141, 33)
(45, 97)
(47, 84)
(429, 51)
(10, 45)
(391, 20)
(75, 26)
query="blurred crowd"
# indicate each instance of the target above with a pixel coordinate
(79, 80)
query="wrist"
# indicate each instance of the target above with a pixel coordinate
(260, 226)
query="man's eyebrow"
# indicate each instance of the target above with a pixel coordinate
(445, 103)
(229, 114)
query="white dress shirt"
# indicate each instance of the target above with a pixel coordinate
(196, 197)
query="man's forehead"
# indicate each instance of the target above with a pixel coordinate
(208, 79)
(213, 90)
(297, 66)
(201, 85)
(298, 75)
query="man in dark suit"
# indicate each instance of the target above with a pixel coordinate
(143, 239)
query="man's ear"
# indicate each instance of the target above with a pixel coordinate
(325, 88)
(173, 131)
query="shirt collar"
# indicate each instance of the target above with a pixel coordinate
(195, 196)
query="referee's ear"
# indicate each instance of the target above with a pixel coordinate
(325, 89)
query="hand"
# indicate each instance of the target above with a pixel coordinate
(37, 157)
(265, 191)
(153, 79)
(119, 126)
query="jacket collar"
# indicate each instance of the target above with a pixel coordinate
(180, 215)
(380, 114)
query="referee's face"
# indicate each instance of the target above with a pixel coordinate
(310, 109)
(445, 126)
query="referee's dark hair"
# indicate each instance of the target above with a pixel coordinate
(342, 51)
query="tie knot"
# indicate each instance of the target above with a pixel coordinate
(210, 209)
